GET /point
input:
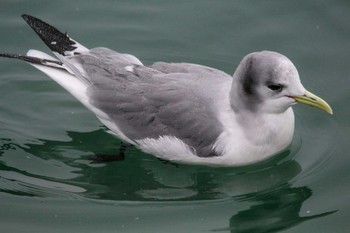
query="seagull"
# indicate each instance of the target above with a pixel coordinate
(180, 112)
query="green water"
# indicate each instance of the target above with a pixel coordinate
(47, 183)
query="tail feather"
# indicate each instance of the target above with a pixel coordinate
(57, 41)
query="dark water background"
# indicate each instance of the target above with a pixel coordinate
(47, 183)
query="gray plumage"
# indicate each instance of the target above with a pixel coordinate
(149, 102)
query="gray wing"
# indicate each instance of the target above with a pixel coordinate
(148, 102)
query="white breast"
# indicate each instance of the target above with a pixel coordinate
(261, 138)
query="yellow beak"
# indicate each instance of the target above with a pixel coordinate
(313, 100)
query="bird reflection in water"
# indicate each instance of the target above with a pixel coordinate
(274, 211)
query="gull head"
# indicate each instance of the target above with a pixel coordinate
(268, 82)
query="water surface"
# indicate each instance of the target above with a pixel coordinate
(47, 183)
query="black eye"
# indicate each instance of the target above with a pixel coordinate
(275, 87)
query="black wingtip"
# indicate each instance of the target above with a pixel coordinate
(57, 41)
(25, 16)
(33, 60)
(28, 18)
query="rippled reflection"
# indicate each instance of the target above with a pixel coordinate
(63, 169)
(140, 177)
(276, 210)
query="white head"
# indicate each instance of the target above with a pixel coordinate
(268, 82)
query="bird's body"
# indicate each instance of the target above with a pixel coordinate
(180, 112)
